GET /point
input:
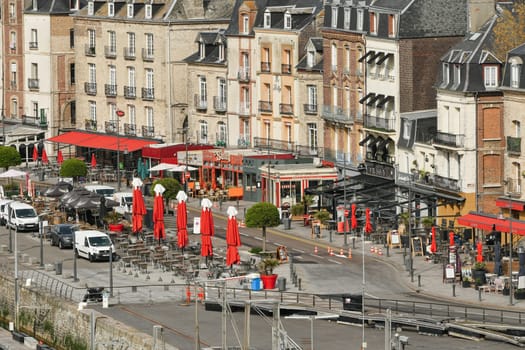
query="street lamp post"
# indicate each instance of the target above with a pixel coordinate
(120, 114)
(185, 132)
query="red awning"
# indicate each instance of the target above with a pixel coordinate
(489, 223)
(101, 141)
(508, 204)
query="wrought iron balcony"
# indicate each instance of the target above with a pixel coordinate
(13, 85)
(310, 109)
(513, 145)
(449, 140)
(446, 183)
(266, 67)
(286, 108)
(110, 90)
(90, 88)
(33, 45)
(90, 50)
(380, 124)
(110, 51)
(513, 186)
(243, 141)
(111, 127)
(265, 106)
(130, 53)
(148, 94)
(336, 113)
(200, 102)
(286, 68)
(147, 55)
(130, 129)
(91, 125)
(265, 143)
(33, 84)
(148, 131)
(219, 103)
(130, 92)
(244, 108)
(243, 75)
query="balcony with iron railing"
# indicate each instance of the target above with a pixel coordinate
(380, 124)
(110, 127)
(130, 53)
(38, 121)
(90, 88)
(244, 109)
(266, 143)
(448, 140)
(33, 45)
(513, 187)
(337, 114)
(310, 109)
(110, 51)
(130, 92)
(148, 94)
(89, 50)
(266, 67)
(200, 102)
(265, 106)
(446, 183)
(147, 55)
(13, 85)
(513, 146)
(286, 108)
(91, 125)
(243, 141)
(219, 104)
(148, 131)
(110, 90)
(286, 68)
(130, 129)
(33, 84)
(243, 74)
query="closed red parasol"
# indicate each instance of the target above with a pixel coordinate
(35, 154)
(45, 160)
(207, 228)
(182, 220)
(158, 213)
(93, 160)
(233, 239)
(60, 157)
(433, 245)
(368, 225)
(479, 255)
(138, 208)
(354, 219)
(451, 238)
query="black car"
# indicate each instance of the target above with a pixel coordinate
(61, 235)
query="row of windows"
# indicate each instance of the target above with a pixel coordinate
(131, 41)
(130, 10)
(491, 75)
(112, 78)
(131, 113)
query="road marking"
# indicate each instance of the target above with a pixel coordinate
(244, 234)
(335, 261)
(298, 250)
(257, 238)
(316, 256)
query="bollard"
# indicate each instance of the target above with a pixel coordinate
(330, 235)
(387, 251)
(479, 294)
(419, 280)
(454, 290)
(353, 242)
(299, 282)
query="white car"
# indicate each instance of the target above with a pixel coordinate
(125, 202)
(104, 190)
(93, 245)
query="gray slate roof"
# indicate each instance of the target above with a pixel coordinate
(211, 55)
(52, 6)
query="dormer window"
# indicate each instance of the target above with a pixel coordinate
(360, 15)
(202, 49)
(130, 11)
(148, 11)
(111, 9)
(91, 8)
(347, 18)
(391, 26)
(267, 19)
(446, 73)
(457, 74)
(35, 5)
(490, 76)
(515, 71)
(287, 20)
(245, 29)
(221, 52)
(373, 23)
(310, 58)
(334, 17)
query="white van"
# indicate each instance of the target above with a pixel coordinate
(23, 217)
(125, 202)
(93, 245)
(3, 211)
(106, 191)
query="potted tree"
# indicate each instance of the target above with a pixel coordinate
(266, 267)
(478, 273)
(519, 293)
(113, 220)
(262, 215)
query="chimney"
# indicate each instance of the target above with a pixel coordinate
(479, 11)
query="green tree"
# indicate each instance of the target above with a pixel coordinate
(73, 168)
(9, 156)
(172, 187)
(263, 215)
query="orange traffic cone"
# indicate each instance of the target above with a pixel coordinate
(341, 252)
(349, 253)
(329, 249)
(380, 251)
(331, 252)
(372, 249)
(315, 250)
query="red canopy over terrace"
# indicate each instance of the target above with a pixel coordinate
(489, 223)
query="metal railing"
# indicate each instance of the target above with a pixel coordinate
(130, 92)
(451, 140)
(130, 53)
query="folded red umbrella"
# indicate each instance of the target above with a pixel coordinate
(207, 230)
(479, 256)
(60, 157)
(44, 156)
(138, 210)
(93, 160)
(158, 217)
(35, 154)
(368, 225)
(354, 219)
(182, 222)
(233, 240)
(433, 246)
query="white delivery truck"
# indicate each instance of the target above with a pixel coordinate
(93, 245)
(22, 217)
(125, 202)
(106, 191)
(3, 210)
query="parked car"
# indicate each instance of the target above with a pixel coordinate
(4, 211)
(61, 235)
(93, 245)
(23, 217)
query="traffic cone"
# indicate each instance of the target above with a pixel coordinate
(331, 252)
(329, 249)
(315, 250)
(349, 253)
(341, 252)
(371, 249)
(380, 251)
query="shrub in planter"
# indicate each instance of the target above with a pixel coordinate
(466, 283)
(519, 293)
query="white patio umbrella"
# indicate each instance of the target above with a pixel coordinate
(13, 173)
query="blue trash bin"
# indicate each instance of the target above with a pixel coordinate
(256, 284)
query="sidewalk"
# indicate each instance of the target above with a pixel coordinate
(427, 278)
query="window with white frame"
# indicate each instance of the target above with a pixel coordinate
(312, 136)
(516, 125)
(457, 74)
(312, 96)
(112, 38)
(13, 73)
(221, 51)
(149, 78)
(334, 17)
(373, 23)
(267, 19)
(360, 15)
(92, 38)
(334, 57)
(202, 91)
(446, 73)
(245, 24)
(35, 108)
(149, 116)
(12, 10)
(407, 125)
(112, 110)
(91, 8)
(347, 60)
(490, 75)
(203, 131)
(202, 49)
(111, 9)
(12, 40)
(221, 132)
(131, 77)
(92, 110)
(391, 26)
(334, 96)
(132, 114)
(131, 44)
(287, 20)
(92, 71)
(130, 10)
(34, 70)
(147, 10)
(310, 57)
(14, 107)
(222, 93)
(288, 130)
(112, 75)
(149, 44)
(346, 22)
(34, 39)
(515, 71)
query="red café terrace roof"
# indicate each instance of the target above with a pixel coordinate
(490, 223)
(166, 152)
(101, 141)
(510, 204)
